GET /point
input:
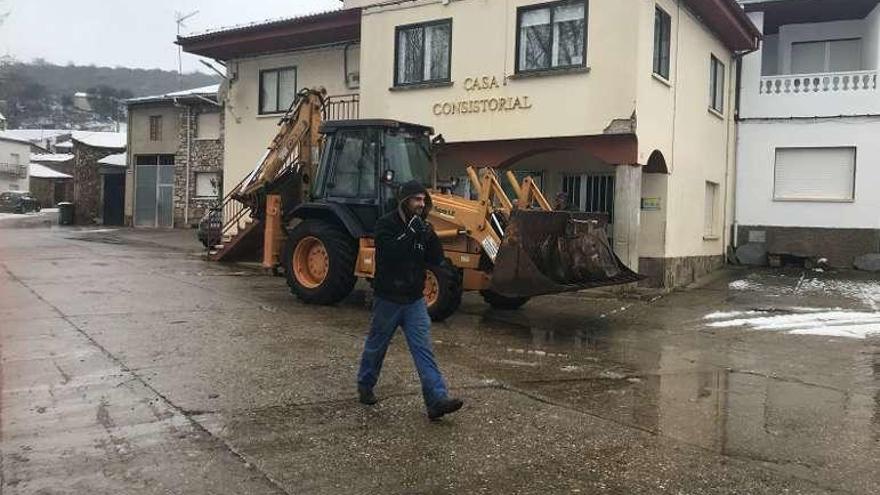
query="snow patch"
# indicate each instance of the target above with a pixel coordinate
(803, 321)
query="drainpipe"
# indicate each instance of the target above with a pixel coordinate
(737, 57)
(188, 160)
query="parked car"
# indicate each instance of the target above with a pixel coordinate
(19, 202)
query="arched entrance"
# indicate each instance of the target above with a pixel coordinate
(570, 170)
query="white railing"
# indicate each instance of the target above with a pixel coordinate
(832, 82)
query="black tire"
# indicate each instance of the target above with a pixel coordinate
(498, 301)
(341, 250)
(449, 291)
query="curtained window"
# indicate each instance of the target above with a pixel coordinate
(552, 36)
(423, 52)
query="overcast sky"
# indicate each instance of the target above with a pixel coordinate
(127, 33)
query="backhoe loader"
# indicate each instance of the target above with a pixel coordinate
(321, 186)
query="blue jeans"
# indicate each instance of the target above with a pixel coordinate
(416, 323)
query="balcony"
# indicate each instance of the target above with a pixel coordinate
(342, 107)
(816, 60)
(828, 82)
(13, 170)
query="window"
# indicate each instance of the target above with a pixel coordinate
(817, 57)
(208, 126)
(816, 174)
(207, 184)
(710, 228)
(662, 40)
(15, 158)
(592, 193)
(407, 154)
(354, 159)
(155, 128)
(551, 36)
(716, 86)
(422, 53)
(277, 89)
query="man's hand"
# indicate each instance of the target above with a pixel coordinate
(417, 226)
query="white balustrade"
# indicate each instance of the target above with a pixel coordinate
(832, 82)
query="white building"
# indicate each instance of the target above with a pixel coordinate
(809, 123)
(15, 155)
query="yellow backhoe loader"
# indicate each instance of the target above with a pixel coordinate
(321, 186)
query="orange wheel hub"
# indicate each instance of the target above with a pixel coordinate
(432, 288)
(311, 263)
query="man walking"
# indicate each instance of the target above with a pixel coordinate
(405, 245)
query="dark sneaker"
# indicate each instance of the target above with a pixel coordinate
(444, 406)
(366, 396)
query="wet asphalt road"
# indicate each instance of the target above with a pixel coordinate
(129, 365)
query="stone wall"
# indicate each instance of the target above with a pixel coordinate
(202, 155)
(669, 273)
(839, 246)
(45, 189)
(87, 181)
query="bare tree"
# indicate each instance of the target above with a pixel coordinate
(3, 12)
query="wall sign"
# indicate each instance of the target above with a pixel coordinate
(490, 104)
(650, 204)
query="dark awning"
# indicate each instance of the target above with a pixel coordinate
(297, 33)
(780, 12)
(729, 22)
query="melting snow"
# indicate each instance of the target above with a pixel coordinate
(803, 321)
(866, 291)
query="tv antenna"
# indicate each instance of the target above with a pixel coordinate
(179, 18)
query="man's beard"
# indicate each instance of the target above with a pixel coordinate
(411, 212)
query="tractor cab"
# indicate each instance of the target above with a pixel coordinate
(364, 162)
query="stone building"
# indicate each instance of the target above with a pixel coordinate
(176, 151)
(98, 197)
(52, 190)
(48, 185)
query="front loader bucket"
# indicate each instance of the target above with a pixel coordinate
(547, 252)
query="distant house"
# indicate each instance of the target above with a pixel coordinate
(176, 149)
(98, 192)
(51, 178)
(15, 154)
(81, 102)
(2, 122)
(48, 185)
(46, 139)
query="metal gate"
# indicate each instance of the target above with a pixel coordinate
(591, 193)
(154, 191)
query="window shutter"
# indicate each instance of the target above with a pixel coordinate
(815, 173)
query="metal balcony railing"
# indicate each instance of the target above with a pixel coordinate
(831, 82)
(342, 107)
(13, 169)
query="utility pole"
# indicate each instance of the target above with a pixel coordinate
(179, 17)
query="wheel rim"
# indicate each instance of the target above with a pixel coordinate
(311, 263)
(432, 288)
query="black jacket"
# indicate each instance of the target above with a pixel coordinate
(402, 256)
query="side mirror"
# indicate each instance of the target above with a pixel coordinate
(388, 177)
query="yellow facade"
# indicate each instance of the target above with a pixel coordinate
(617, 92)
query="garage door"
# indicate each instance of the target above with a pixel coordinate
(821, 174)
